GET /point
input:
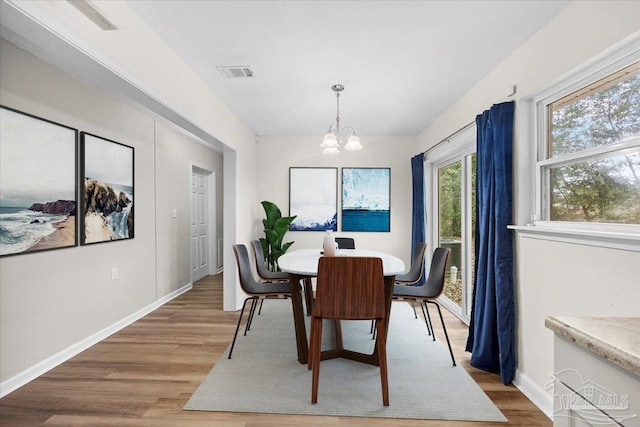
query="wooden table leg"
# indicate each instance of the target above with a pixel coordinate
(308, 295)
(298, 318)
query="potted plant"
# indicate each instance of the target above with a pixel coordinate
(275, 227)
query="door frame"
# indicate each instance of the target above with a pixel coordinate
(212, 223)
(456, 149)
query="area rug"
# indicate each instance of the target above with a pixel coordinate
(264, 375)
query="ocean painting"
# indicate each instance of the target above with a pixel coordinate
(38, 183)
(107, 210)
(366, 196)
(313, 197)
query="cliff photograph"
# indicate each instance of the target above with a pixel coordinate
(107, 190)
(38, 184)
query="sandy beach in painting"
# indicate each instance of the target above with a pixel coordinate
(96, 228)
(63, 236)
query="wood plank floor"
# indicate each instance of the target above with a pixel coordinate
(144, 375)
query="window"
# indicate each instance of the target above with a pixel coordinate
(451, 184)
(589, 148)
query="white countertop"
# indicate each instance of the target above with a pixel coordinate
(616, 339)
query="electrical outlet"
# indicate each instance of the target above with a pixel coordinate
(114, 273)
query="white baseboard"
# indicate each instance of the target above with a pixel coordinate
(535, 393)
(51, 362)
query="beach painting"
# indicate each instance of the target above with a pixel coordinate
(313, 198)
(107, 190)
(38, 183)
(366, 199)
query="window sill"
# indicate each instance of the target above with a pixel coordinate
(629, 241)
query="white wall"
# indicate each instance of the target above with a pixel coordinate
(135, 64)
(278, 154)
(175, 153)
(552, 278)
(51, 301)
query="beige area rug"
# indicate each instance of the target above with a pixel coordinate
(264, 375)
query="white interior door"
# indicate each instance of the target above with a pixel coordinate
(199, 226)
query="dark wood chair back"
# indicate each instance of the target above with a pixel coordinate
(350, 288)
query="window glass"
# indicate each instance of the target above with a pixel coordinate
(592, 167)
(605, 190)
(450, 227)
(603, 113)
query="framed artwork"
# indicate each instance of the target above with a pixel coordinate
(313, 197)
(107, 190)
(38, 183)
(366, 199)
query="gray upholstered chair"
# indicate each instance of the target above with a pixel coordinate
(430, 291)
(345, 242)
(254, 289)
(264, 274)
(415, 272)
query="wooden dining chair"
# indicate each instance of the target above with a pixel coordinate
(429, 292)
(253, 288)
(350, 288)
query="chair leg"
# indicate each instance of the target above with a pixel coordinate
(381, 343)
(252, 310)
(233, 343)
(314, 356)
(260, 310)
(414, 309)
(373, 325)
(424, 314)
(308, 294)
(445, 330)
(433, 334)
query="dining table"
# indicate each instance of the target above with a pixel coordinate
(302, 265)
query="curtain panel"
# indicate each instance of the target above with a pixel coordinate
(418, 234)
(492, 330)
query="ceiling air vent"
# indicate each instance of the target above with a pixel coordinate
(236, 72)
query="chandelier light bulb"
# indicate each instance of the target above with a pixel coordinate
(330, 141)
(333, 139)
(353, 143)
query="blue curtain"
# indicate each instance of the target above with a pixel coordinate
(491, 330)
(418, 234)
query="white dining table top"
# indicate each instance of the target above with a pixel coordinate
(305, 261)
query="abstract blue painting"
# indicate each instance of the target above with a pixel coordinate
(366, 197)
(313, 197)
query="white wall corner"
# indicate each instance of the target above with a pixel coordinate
(62, 356)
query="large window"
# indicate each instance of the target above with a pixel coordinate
(589, 151)
(450, 171)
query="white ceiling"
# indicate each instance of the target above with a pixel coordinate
(403, 63)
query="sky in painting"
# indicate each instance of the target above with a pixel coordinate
(107, 161)
(37, 161)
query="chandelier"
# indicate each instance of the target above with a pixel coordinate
(333, 139)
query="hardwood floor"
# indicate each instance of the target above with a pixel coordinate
(144, 375)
